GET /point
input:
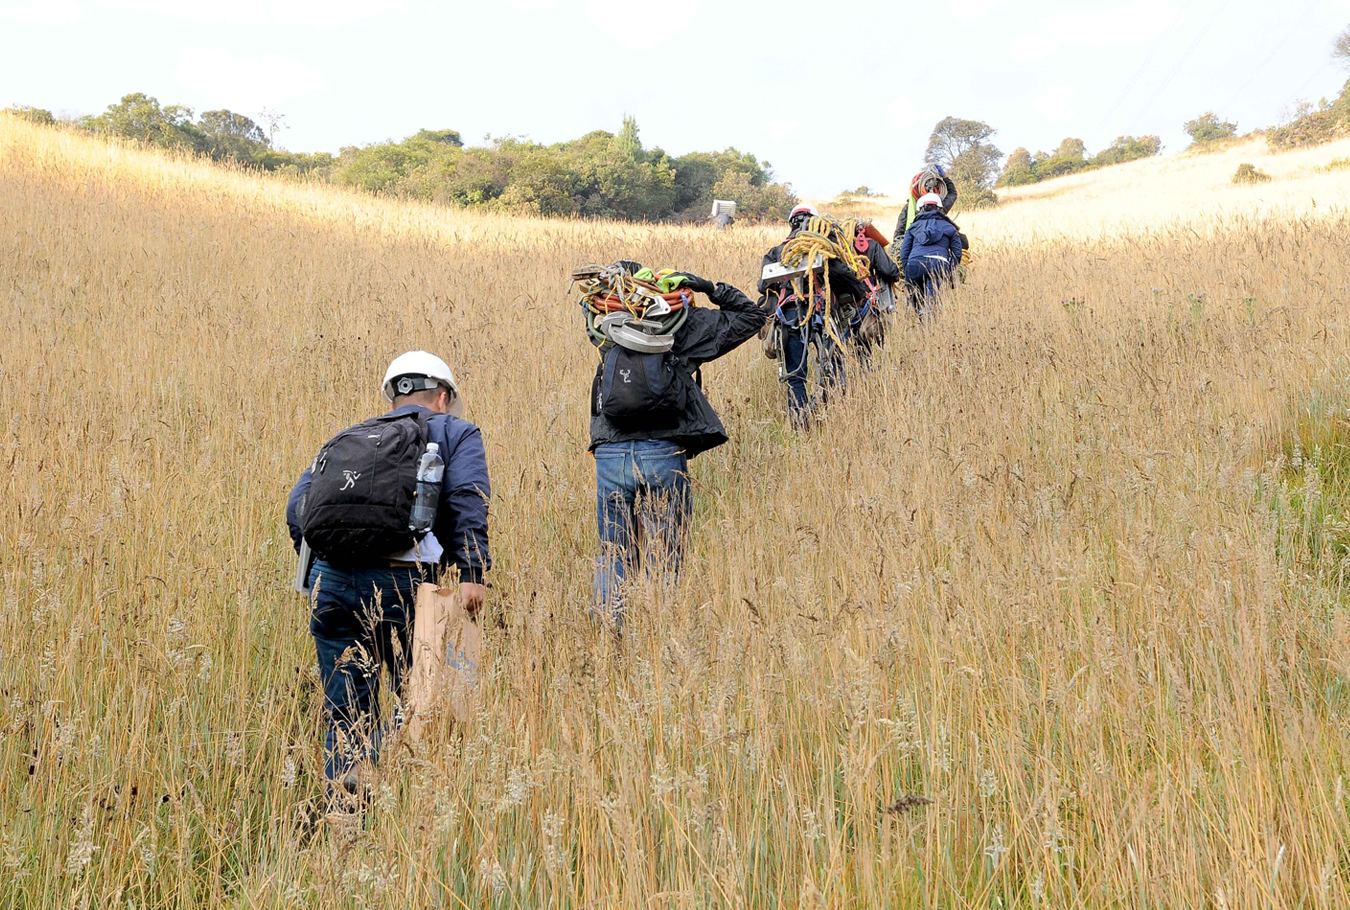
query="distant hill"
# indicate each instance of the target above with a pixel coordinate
(1190, 187)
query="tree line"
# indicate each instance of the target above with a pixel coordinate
(612, 175)
(600, 175)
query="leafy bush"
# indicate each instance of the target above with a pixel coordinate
(1328, 121)
(600, 175)
(32, 114)
(1128, 148)
(1208, 129)
(1248, 174)
(1071, 157)
(1335, 164)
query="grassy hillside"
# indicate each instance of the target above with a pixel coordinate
(1068, 563)
(1194, 189)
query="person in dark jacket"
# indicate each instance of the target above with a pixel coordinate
(362, 614)
(848, 291)
(932, 179)
(931, 250)
(884, 274)
(643, 501)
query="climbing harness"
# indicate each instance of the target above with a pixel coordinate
(639, 312)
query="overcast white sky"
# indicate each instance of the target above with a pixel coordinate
(833, 100)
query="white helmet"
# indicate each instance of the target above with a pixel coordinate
(415, 365)
(930, 199)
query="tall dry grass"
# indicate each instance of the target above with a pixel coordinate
(1039, 568)
(1193, 189)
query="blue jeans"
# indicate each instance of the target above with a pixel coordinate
(642, 509)
(362, 623)
(925, 277)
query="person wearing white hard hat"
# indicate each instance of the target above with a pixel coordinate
(930, 252)
(380, 522)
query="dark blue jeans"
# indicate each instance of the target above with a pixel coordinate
(925, 277)
(642, 509)
(362, 623)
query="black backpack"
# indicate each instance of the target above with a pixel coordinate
(638, 392)
(360, 498)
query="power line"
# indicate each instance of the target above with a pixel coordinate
(1182, 62)
(1264, 63)
(1320, 70)
(1157, 46)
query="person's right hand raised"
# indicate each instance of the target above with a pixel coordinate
(695, 283)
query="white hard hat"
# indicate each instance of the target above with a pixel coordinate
(421, 365)
(930, 199)
(803, 209)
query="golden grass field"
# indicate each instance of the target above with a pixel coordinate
(1191, 189)
(1070, 563)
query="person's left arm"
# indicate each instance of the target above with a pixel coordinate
(462, 516)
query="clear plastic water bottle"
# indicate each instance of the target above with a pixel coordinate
(429, 474)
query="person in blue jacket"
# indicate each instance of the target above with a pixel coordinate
(362, 613)
(931, 251)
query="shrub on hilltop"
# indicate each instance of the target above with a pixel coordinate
(1311, 125)
(1209, 130)
(600, 175)
(1023, 168)
(32, 114)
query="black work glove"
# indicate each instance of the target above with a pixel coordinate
(695, 283)
(629, 266)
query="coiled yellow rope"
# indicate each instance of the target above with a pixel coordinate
(824, 236)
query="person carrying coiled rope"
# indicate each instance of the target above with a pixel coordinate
(815, 284)
(649, 415)
(931, 250)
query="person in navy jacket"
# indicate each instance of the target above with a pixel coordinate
(362, 617)
(931, 250)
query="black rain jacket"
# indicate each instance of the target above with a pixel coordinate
(705, 336)
(883, 267)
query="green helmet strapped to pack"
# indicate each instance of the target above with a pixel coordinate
(632, 306)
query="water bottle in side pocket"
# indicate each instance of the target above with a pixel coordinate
(430, 472)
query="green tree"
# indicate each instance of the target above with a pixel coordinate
(139, 117)
(1019, 171)
(697, 174)
(440, 137)
(295, 164)
(32, 114)
(953, 137)
(231, 136)
(1069, 158)
(1128, 148)
(971, 160)
(763, 201)
(539, 185)
(1208, 128)
(1340, 48)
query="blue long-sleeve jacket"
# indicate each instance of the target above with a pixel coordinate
(932, 235)
(462, 516)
